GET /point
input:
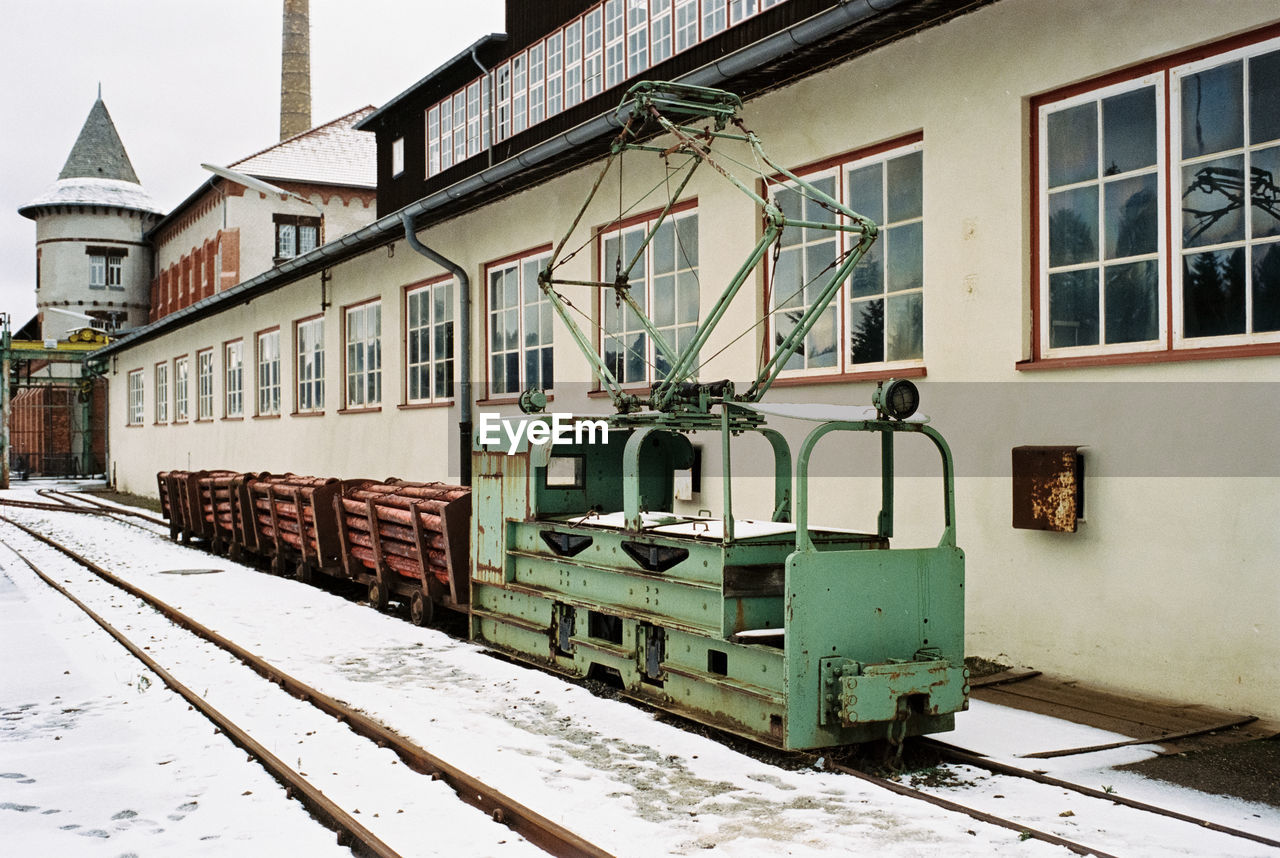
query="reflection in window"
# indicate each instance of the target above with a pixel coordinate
(1230, 167)
(1103, 229)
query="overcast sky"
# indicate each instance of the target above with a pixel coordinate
(189, 81)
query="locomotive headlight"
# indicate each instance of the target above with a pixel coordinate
(896, 398)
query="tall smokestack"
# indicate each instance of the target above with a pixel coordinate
(295, 70)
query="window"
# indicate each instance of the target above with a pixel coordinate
(537, 84)
(555, 82)
(429, 342)
(233, 379)
(1111, 278)
(519, 117)
(573, 63)
(473, 119)
(181, 373)
(592, 54)
(713, 17)
(162, 392)
(397, 156)
(660, 30)
(686, 13)
(204, 385)
(135, 398)
(106, 267)
(433, 141)
(613, 44)
(877, 321)
(637, 36)
(309, 337)
(740, 10)
(364, 355)
(459, 126)
(520, 330)
(268, 359)
(664, 283)
(295, 235)
(503, 100)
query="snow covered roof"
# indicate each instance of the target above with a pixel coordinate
(85, 191)
(330, 154)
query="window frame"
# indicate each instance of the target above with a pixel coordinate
(315, 381)
(397, 156)
(298, 223)
(161, 378)
(682, 210)
(267, 396)
(136, 387)
(181, 389)
(228, 389)
(839, 167)
(365, 374)
(432, 326)
(204, 385)
(1171, 345)
(518, 261)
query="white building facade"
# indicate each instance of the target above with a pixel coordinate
(1080, 243)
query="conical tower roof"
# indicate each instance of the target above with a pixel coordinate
(99, 152)
(97, 172)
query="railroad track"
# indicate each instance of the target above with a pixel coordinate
(524, 822)
(538, 830)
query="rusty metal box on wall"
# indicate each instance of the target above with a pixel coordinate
(1048, 488)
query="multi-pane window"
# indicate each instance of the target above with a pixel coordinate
(135, 398)
(181, 377)
(520, 328)
(573, 63)
(637, 36)
(429, 342)
(162, 392)
(593, 53)
(502, 102)
(537, 84)
(614, 47)
(433, 140)
(363, 335)
(740, 10)
(713, 17)
(473, 118)
(106, 269)
(446, 133)
(519, 83)
(555, 80)
(1104, 202)
(295, 235)
(233, 379)
(1227, 144)
(878, 315)
(664, 284)
(204, 385)
(268, 355)
(659, 30)
(686, 13)
(309, 374)
(459, 126)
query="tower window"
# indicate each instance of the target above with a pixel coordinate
(106, 267)
(295, 235)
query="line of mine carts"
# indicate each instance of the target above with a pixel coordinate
(401, 539)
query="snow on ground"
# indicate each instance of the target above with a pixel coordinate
(606, 770)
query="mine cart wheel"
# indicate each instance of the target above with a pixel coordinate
(421, 608)
(235, 552)
(277, 564)
(304, 573)
(377, 595)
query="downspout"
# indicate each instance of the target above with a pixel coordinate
(464, 343)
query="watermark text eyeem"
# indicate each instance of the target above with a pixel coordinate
(562, 429)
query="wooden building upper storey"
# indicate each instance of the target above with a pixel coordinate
(562, 63)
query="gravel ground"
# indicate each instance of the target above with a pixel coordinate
(1249, 770)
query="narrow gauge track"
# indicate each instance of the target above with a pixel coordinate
(512, 814)
(99, 510)
(538, 830)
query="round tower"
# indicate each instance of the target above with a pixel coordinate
(91, 259)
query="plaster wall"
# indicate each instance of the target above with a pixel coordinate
(1168, 586)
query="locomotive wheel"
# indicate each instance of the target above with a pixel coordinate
(421, 609)
(377, 595)
(304, 573)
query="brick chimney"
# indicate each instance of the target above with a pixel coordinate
(295, 70)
